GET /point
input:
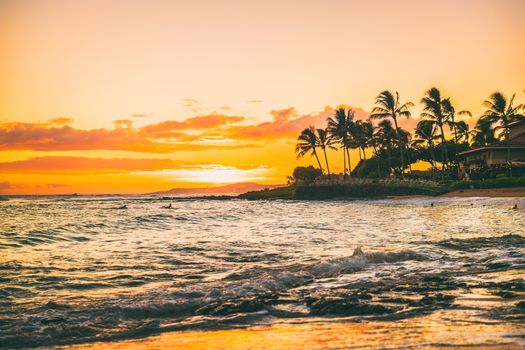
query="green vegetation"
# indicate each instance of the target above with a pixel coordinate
(365, 190)
(499, 182)
(287, 192)
(395, 149)
(378, 189)
(438, 137)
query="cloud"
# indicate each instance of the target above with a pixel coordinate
(214, 173)
(139, 115)
(5, 185)
(287, 123)
(198, 133)
(254, 101)
(162, 137)
(56, 185)
(123, 123)
(85, 165)
(190, 102)
(167, 129)
(60, 121)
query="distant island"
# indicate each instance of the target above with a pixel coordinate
(230, 189)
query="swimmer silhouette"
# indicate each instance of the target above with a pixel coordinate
(515, 207)
(167, 206)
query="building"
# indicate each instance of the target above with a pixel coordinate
(495, 154)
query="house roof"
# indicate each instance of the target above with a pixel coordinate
(488, 148)
(518, 142)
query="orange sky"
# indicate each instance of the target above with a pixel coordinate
(106, 96)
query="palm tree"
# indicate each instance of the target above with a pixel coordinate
(388, 106)
(483, 134)
(338, 128)
(463, 131)
(325, 141)
(425, 133)
(500, 114)
(451, 117)
(308, 142)
(434, 110)
(386, 135)
(453, 125)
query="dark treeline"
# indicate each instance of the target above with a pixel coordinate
(437, 138)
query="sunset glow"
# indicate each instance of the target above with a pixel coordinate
(100, 96)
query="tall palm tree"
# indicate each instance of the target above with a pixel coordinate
(483, 134)
(500, 114)
(453, 125)
(338, 127)
(389, 107)
(451, 117)
(425, 134)
(325, 141)
(386, 136)
(308, 142)
(463, 131)
(434, 110)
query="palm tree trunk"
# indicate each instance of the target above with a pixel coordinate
(509, 160)
(326, 161)
(400, 147)
(318, 162)
(443, 152)
(349, 164)
(378, 161)
(344, 161)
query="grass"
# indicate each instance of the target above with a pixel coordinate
(501, 182)
(287, 192)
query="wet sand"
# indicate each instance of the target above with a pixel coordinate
(436, 331)
(488, 192)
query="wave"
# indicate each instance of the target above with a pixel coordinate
(477, 243)
(259, 280)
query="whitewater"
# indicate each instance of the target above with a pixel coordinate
(76, 269)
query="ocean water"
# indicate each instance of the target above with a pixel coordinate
(77, 269)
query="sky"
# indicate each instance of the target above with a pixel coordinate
(129, 96)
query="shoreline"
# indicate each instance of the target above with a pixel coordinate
(326, 334)
(488, 192)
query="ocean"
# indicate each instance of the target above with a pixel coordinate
(76, 269)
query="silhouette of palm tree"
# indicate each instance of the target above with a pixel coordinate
(434, 110)
(325, 141)
(338, 128)
(500, 114)
(483, 134)
(308, 142)
(425, 133)
(388, 106)
(386, 135)
(453, 125)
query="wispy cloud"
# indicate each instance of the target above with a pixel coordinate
(83, 165)
(139, 115)
(214, 173)
(190, 102)
(60, 121)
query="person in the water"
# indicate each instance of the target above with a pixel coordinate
(167, 206)
(515, 206)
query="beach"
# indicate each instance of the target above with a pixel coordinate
(488, 192)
